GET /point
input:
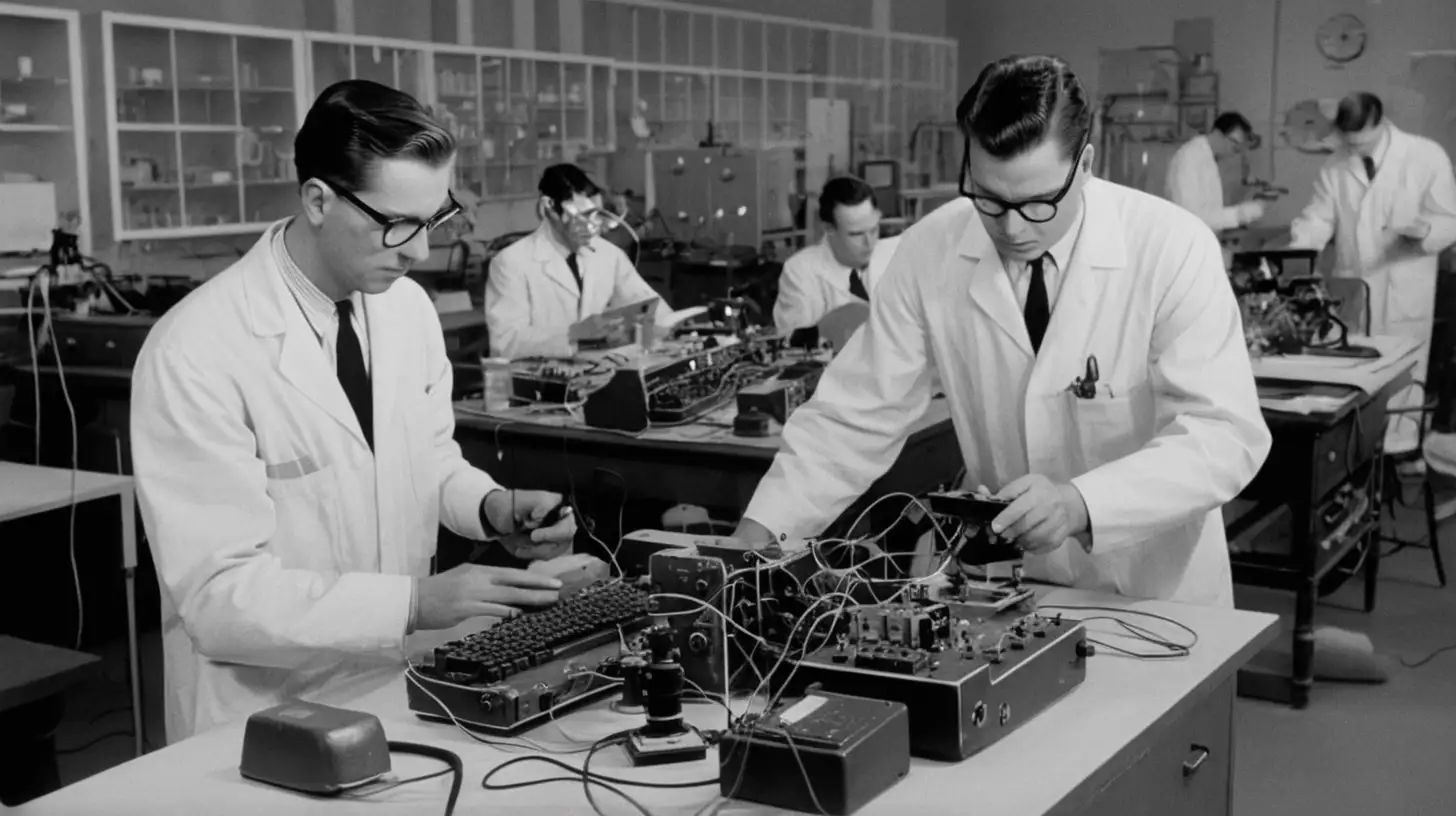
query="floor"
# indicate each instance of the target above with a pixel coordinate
(1358, 749)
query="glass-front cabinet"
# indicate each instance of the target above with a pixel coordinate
(201, 120)
(43, 157)
(512, 115)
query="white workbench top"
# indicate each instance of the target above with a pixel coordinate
(1029, 772)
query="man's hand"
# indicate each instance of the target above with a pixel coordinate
(516, 515)
(1251, 211)
(470, 590)
(1042, 515)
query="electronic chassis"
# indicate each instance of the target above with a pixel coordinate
(939, 669)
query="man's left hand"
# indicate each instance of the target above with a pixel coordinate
(1042, 514)
(516, 515)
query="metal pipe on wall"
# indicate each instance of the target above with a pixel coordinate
(1274, 87)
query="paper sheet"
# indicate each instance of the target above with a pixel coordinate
(1397, 355)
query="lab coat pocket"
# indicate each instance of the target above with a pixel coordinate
(1105, 427)
(306, 520)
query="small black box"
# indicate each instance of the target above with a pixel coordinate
(852, 748)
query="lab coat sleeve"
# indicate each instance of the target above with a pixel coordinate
(508, 316)
(204, 499)
(462, 485)
(836, 445)
(1438, 207)
(1314, 227)
(799, 304)
(1212, 439)
(1185, 188)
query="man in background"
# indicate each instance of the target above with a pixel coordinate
(841, 270)
(562, 274)
(1194, 182)
(1388, 200)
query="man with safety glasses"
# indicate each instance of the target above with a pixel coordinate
(292, 438)
(563, 274)
(1089, 347)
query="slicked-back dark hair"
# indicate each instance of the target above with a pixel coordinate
(842, 190)
(355, 123)
(1358, 111)
(1018, 102)
(560, 182)
(1230, 121)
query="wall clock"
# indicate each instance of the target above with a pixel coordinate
(1342, 38)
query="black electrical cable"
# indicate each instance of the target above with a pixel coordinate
(1174, 649)
(457, 768)
(1416, 664)
(93, 743)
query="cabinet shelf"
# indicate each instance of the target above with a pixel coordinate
(32, 127)
(200, 116)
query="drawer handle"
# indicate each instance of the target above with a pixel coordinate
(1191, 766)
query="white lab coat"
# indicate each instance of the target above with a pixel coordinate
(1195, 184)
(284, 549)
(1414, 180)
(531, 297)
(813, 283)
(1179, 434)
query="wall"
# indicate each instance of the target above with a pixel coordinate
(1245, 50)
(533, 24)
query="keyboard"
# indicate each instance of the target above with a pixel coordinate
(513, 673)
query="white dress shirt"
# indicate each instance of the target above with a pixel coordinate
(321, 313)
(1057, 259)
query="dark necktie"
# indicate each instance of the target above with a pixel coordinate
(575, 269)
(856, 285)
(352, 374)
(1038, 310)
(1369, 167)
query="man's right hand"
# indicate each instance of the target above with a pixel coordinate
(470, 590)
(1251, 211)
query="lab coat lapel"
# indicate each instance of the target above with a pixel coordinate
(990, 286)
(387, 341)
(301, 360)
(553, 263)
(1099, 252)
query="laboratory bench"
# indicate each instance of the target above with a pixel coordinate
(702, 464)
(1136, 737)
(1323, 474)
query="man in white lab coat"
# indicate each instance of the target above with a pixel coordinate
(841, 270)
(562, 274)
(1089, 345)
(1194, 182)
(292, 437)
(1388, 199)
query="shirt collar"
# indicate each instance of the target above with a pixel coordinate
(553, 241)
(832, 259)
(1061, 251)
(311, 299)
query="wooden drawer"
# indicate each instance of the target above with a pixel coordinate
(1186, 772)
